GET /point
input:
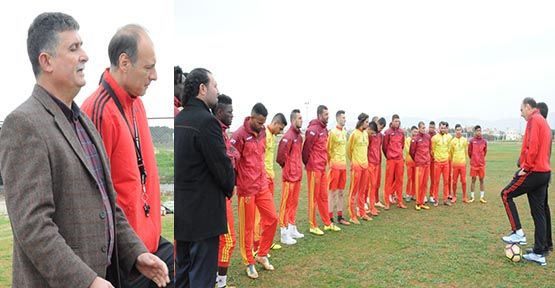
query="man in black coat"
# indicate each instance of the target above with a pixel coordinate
(203, 178)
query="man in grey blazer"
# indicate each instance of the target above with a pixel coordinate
(67, 229)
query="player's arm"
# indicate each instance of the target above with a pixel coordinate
(307, 146)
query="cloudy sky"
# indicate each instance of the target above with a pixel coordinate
(99, 20)
(421, 59)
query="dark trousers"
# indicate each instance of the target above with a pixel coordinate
(548, 217)
(164, 252)
(196, 263)
(534, 184)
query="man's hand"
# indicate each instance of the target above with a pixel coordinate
(153, 268)
(101, 283)
(521, 172)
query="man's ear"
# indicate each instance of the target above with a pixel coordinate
(45, 62)
(124, 62)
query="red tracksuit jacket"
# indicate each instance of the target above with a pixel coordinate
(477, 150)
(375, 148)
(536, 145)
(251, 174)
(123, 160)
(315, 154)
(289, 155)
(420, 147)
(393, 144)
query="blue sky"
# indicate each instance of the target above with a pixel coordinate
(423, 59)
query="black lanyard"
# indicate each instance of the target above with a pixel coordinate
(136, 142)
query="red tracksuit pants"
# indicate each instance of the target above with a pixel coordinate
(289, 203)
(264, 201)
(358, 190)
(410, 188)
(459, 170)
(394, 180)
(227, 241)
(441, 168)
(318, 195)
(421, 175)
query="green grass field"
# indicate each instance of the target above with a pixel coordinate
(455, 246)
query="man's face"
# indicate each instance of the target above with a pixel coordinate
(443, 129)
(380, 127)
(68, 64)
(478, 132)
(525, 111)
(414, 132)
(140, 74)
(458, 132)
(226, 115)
(364, 125)
(341, 120)
(422, 128)
(432, 128)
(276, 128)
(298, 122)
(395, 123)
(324, 117)
(210, 91)
(257, 123)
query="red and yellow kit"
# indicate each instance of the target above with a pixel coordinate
(315, 158)
(374, 166)
(357, 151)
(409, 190)
(477, 150)
(290, 159)
(393, 144)
(419, 150)
(457, 151)
(337, 149)
(253, 192)
(440, 151)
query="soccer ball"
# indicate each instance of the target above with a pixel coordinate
(513, 252)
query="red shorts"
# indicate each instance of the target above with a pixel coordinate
(338, 178)
(478, 171)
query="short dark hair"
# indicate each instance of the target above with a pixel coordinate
(444, 123)
(477, 127)
(223, 100)
(259, 109)
(543, 109)
(382, 121)
(422, 123)
(42, 35)
(457, 126)
(432, 123)
(339, 113)
(395, 116)
(413, 128)
(178, 75)
(294, 114)
(280, 118)
(192, 83)
(361, 118)
(320, 109)
(125, 41)
(373, 126)
(530, 101)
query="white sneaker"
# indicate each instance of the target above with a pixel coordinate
(294, 233)
(432, 200)
(514, 238)
(286, 238)
(425, 199)
(533, 257)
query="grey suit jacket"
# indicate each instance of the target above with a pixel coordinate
(53, 201)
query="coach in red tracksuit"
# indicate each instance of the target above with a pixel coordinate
(532, 179)
(253, 191)
(315, 158)
(117, 112)
(393, 144)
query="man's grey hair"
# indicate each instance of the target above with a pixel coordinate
(43, 35)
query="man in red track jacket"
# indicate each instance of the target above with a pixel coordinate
(117, 111)
(532, 179)
(420, 147)
(315, 158)
(289, 157)
(393, 144)
(477, 150)
(252, 190)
